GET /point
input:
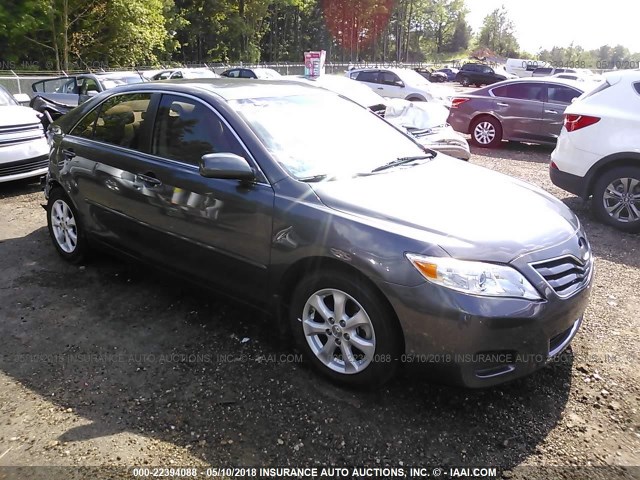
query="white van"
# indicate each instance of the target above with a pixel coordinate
(523, 67)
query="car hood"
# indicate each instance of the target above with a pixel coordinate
(469, 211)
(13, 115)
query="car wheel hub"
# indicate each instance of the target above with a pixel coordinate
(63, 224)
(484, 133)
(621, 200)
(339, 331)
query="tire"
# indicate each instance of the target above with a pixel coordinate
(325, 341)
(465, 81)
(65, 229)
(415, 99)
(616, 198)
(486, 132)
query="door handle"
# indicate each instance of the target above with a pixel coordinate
(380, 88)
(551, 111)
(68, 153)
(149, 180)
(500, 104)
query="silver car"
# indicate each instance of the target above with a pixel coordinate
(523, 110)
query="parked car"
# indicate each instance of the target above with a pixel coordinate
(479, 74)
(550, 71)
(579, 77)
(523, 67)
(261, 73)
(314, 209)
(56, 96)
(523, 110)
(598, 152)
(426, 122)
(190, 73)
(450, 73)
(23, 147)
(402, 83)
(431, 75)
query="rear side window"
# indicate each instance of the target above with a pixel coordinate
(525, 91)
(186, 129)
(233, 73)
(121, 119)
(371, 77)
(637, 86)
(562, 94)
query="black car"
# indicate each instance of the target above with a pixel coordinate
(313, 208)
(479, 74)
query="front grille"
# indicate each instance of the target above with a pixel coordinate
(565, 275)
(20, 134)
(16, 168)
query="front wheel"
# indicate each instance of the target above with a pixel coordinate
(65, 228)
(616, 198)
(486, 132)
(345, 332)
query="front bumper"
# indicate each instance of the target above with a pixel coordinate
(24, 160)
(476, 341)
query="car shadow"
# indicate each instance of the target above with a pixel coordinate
(133, 350)
(527, 152)
(20, 187)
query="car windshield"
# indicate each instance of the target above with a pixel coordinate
(6, 99)
(320, 134)
(266, 73)
(199, 74)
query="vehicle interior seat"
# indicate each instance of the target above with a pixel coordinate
(119, 126)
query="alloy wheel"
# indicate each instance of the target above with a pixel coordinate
(64, 227)
(621, 200)
(484, 133)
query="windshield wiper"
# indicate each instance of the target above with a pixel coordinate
(402, 161)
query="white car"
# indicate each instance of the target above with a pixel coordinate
(598, 151)
(24, 151)
(402, 83)
(191, 73)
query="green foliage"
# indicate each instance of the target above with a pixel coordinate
(81, 34)
(498, 34)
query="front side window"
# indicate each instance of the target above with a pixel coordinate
(120, 120)
(562, 94)
(186, 129)
(247, 74)
(6, 98)
(388, 78)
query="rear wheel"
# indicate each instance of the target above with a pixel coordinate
(616, 198)
(486, 132)
(344, 330)
(465, 81)
(65, 228)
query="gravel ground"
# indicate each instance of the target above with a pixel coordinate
(111, 364)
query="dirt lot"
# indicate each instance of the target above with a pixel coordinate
(114, 364)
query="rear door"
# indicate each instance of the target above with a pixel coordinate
(559, 97)
(519, 107)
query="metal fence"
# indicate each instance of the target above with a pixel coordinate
(20, 82)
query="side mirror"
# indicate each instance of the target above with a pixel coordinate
(226, 165)
(399, 83)
(22, 98)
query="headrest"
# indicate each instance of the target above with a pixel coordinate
(121, 114)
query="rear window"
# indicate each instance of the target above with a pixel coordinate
(542, 71)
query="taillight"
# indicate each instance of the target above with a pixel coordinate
(456, 102)
(576, 122)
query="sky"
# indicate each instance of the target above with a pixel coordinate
(545, 23)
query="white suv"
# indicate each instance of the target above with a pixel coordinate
(24, 151)
(402, 83)
(598, 152)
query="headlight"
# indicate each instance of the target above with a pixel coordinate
(475, 278)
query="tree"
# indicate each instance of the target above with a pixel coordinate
(498, 33)
(442, 19)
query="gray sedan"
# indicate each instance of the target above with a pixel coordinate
(524, 110)
(317, 211)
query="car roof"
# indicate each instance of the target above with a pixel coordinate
(562, 81)
(229, 88)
